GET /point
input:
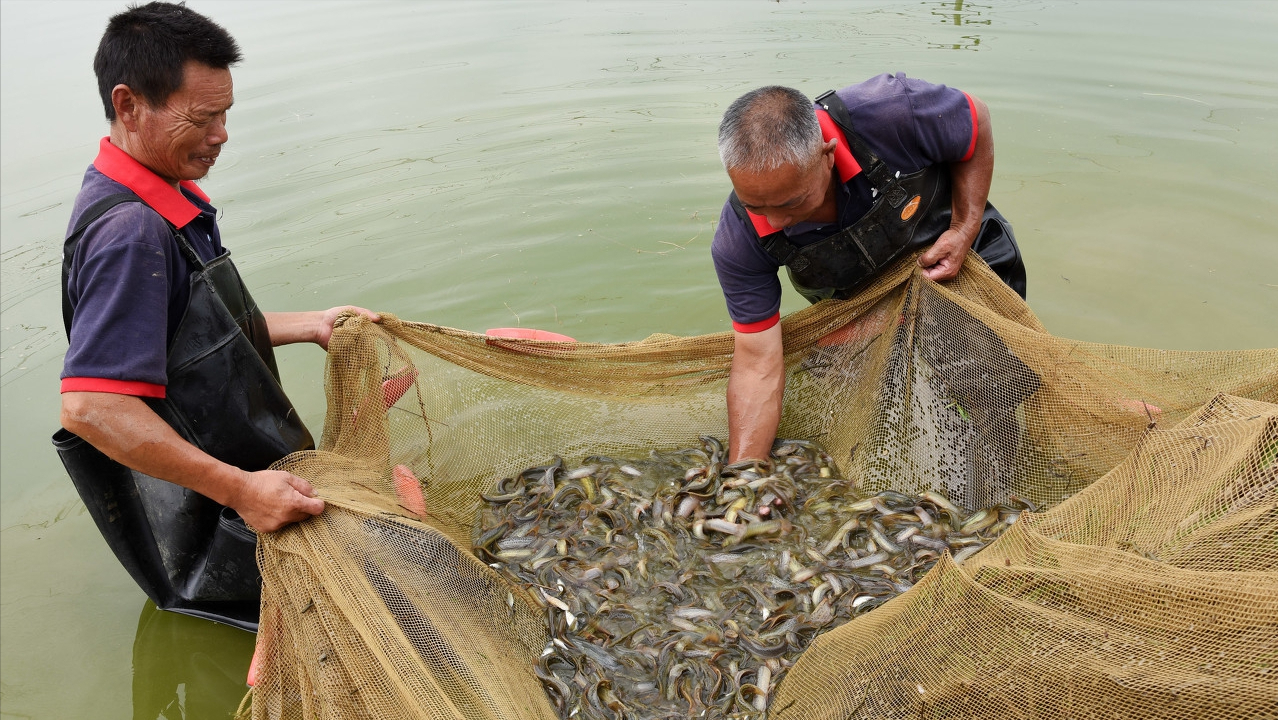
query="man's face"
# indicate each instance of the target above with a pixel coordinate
(789, 194)
(180, 139)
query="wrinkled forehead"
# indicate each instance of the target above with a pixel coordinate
(205, 88)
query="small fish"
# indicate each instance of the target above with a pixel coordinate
(698, 586)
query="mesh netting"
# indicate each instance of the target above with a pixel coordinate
(1151, 593)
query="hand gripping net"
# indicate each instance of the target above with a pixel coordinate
(1149, 590)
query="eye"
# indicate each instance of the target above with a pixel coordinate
(203, 121)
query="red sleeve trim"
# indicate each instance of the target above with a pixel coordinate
(755, 327)
(116, 387)
(971, 147)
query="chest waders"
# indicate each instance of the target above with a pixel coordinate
(909, 212)
(188, 553)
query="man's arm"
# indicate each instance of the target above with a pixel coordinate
(756, 386)
(129, 432)
(316, 326)
(971, 188)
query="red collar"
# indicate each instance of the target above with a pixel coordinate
(171, 204)
(847, 166)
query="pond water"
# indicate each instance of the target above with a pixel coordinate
(553, 165)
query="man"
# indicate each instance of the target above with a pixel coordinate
(170, 376)
(879, 169)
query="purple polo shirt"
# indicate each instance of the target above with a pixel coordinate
(128, 282)
(910, 124)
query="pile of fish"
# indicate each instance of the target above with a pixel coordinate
(679, 586)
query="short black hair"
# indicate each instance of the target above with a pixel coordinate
(146, 46)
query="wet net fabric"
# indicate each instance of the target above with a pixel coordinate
(1151, 594)
(1147, 590)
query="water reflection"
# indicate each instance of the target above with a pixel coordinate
(961, 14)
(185, 668)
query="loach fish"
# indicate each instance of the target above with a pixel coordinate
(677, 585)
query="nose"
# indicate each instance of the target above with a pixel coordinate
(217, 132)
(779, 219)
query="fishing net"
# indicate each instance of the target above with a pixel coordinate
(1150, 589)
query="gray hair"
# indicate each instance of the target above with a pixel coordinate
(767, 128)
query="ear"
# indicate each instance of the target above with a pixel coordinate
(827, 152)
(127, 104)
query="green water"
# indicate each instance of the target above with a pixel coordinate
(553, 165)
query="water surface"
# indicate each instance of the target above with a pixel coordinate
(553, 165)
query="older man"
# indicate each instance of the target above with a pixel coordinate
(836, 193)
(170, 375)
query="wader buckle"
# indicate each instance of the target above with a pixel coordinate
(895, 194)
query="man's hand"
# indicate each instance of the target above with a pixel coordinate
(271, 499)
(971, 179)
(943, 260)
(316, 326)
(329, 316)
(128, 431)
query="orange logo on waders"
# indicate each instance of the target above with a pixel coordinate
(910, 208)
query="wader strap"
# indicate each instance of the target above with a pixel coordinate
(184, 246)
(882, 180)
(95, 211)
(779, 247)
(99, 208)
